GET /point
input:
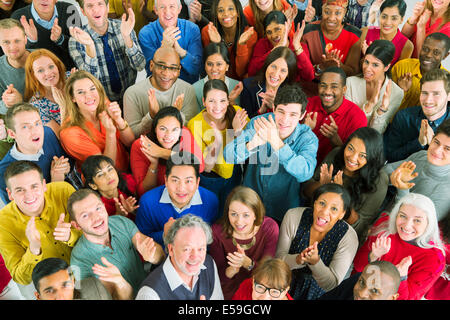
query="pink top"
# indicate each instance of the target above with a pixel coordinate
(139, 162)
(426, 267)
(265, 245)
(399, 41)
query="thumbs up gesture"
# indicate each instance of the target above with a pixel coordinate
(62, 230)
(310, 12)
(11, 96)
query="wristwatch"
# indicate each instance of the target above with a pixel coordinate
(251, 266)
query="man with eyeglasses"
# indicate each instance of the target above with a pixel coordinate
(170, 31)
(163, 88)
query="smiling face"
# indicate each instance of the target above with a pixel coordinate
(374, 285)
(86, 96)
(332, 17)
(96, 12)
(188, 251)
(264, 5)
(13, 42)
(276, 73)
(433, 99)
(165, 68)
(168, 132)
(431, 54)
(57, 286)
(182, 184)
(167, 12)
(373, 68)
(28, 132)
(105, 179)
(7, 5)
(328, 209)
(44, 7)
(216, 104)
(411, 222)
(390, 19)
(440, 4)
(91, 217)
(27, 190)
(227, 13)
(439, 150)
(46, 72)
(355, 156)
(216, 67)
(242, 219)
(287, 118)
(331, 91)
(275, 33)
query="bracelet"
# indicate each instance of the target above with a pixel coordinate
(126, 126)
(383, 110)
(412, 24)
(299, 51)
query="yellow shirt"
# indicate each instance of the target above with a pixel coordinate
(412, 96)
(115, 6)
(14, 245)
(204, 136)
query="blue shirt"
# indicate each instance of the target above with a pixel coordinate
(43, 159)
(150, 38)
(401, 137)
(154, 211)
(123, 253)
(276, 175)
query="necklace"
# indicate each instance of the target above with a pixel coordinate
(245, 246)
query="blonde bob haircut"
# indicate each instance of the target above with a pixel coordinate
(32, 84)
(274, 273)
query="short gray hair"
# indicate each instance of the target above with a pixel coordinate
(188, 221)
(155, 4)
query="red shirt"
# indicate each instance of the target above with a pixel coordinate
(110, 204)
(5, 276)
(348, 118)
(426, 267)
(139, 162)
(245, 291)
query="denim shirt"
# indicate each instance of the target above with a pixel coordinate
(276, 175)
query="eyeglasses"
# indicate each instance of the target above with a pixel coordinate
(163, 67)
(261, 289)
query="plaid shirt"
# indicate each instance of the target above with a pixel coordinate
(128, 60)
(352, 12)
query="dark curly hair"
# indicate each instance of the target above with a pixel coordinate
(367, 177)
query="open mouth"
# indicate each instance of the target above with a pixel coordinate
(321, 222)
(99, 225)
(37, 139)
(327, 98)
(351, 164)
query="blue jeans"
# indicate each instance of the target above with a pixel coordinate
(221, 186)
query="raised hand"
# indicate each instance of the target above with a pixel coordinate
(310, 12)
(146, 247)
(239, 121)
(3, 133)
(405, 81)
(291, 13)
(384, 107)
(125, 206)
(179, 101)
(168, 224)
(81, 36)
(332, 58)
(422, 22)
(403, 266)
(401, 177)
(326, 173)
(60, 99)
(150, 149)
(33, 236)
(127, 25)
(115, 112)
(418, 9)
(30, 28)
(107, 122)
(234, 94)
(59, 168)
(380, 247)
(62, 230)
(108, 273)
(214, 35)
(170, 36)
(373, 99)
(310, 255)
(338, 178)
(296, 40)
(11, 96)
(246, 35)
(236, 259)
(153, 104)
(311, 120)
(331, 132)
(426, 133)
(55, 32)
(195, 11)
(364, 46)
(268, 98)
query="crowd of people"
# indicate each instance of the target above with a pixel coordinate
(275, 150)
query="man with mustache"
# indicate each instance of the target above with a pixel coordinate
(330, 115)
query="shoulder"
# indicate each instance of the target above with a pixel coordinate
(59, 188)
(312, 27)
(207, 195)
(153, 195)
(293, 216)
(25, 11)
(353, 30)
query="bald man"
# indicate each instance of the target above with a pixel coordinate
(378, 281)
(163, 88)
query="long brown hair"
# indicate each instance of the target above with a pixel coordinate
(74, 118)
(32, 84)
(259, 15)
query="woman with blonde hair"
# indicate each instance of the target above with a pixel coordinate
(270, 281)
(409, 238)
(93, 125)
(241, 238)
(428, 16)
(45, 76)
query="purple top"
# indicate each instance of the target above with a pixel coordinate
(266, 245)
(399, 41)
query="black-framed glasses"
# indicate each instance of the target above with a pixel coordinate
(273, 292)
(163, 67)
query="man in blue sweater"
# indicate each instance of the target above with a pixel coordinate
(281, 151)
(168, 30)
(25, 126)
(180, 195)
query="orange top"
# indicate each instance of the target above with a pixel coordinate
(77, 143)
(239, 60)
